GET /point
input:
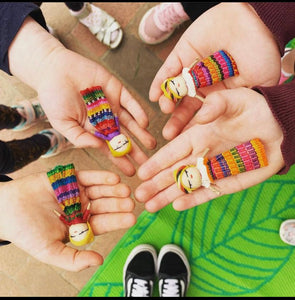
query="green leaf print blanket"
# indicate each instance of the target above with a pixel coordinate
(232, 243)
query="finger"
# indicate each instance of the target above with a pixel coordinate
(140, 133)
(148, 189)
(180, 117)
(123, 162)
(213, 107)
(111, 205)
(166, 105)
(169, 154)
(137, 154)
(162, 199)
(103, 223)
(187, 201)
(89, 178)
(116, 190)
(60, 255)
(134, 108)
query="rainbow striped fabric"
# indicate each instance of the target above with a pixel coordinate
(100, 113)
(213, 68)
(64, 183)
(245, 157)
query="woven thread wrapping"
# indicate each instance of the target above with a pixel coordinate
(245, 157)
(213, 69)
(64, 183)
(100, 113)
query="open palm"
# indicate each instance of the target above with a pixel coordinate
(29, 205)
(234, 27)
(227, 119)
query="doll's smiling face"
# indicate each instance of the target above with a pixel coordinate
(78, 232)
(120, 144)
(177, 86)
(191, 178)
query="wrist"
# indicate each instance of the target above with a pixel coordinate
(30, 52)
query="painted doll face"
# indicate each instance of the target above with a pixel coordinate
(78, 232)
(120, 145)
(190, 178)
(177, 86)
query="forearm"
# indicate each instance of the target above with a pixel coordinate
(30, 52)
(279, 18)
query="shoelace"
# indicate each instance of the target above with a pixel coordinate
(171, 288)
(167, 16)
(140, 288)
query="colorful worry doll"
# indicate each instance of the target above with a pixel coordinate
(105, 122)
(245, 157)
(206, 72)
(64, 183)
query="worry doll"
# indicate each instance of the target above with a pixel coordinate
(64, 183)
(106, 123)
(242, 158)
(208, 71)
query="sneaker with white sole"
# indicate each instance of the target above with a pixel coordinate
(160, 21)
(173, 271)
(58, 142)
(287, 232)
(140, 271)
(31, 112)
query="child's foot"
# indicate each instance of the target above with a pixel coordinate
(58, 142)
(159, 22)
(31, 113)
(173, 271)
(106, 29)
(139, 271)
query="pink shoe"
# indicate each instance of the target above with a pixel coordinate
(284, 77)
(160, 21)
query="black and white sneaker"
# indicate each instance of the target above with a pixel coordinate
(140, 271)
(173, 271)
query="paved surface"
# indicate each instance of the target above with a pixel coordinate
(135, 64)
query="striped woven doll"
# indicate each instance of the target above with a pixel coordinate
(242, 158)
(208, 71)
(64, 183)
(105, 122)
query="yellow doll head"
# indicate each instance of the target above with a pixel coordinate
(174, 88)
(119, 145)
(188, 178)
(81, 234)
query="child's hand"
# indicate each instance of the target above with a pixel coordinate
(29, 221)
(234, 27)
(226, 119)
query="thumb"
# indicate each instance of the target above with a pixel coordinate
(71, 259)
(213, 107)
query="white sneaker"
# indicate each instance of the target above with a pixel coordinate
(106, 29)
